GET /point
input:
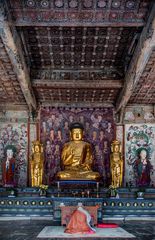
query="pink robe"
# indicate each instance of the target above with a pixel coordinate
(79, 222)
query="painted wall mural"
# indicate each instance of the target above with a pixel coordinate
(120, 134)
(99, 130)
(15, 133)
(140, 155)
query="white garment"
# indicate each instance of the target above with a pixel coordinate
(81, 209)
(7, 164)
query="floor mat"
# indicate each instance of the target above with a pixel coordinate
(58, 232)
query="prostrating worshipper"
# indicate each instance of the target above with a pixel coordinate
(77, 157)
(80, 222)
(8, 167)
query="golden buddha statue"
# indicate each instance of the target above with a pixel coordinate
(36, 164)
(77, 158)
(116, 164)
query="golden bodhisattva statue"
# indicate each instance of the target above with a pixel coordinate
(116, 164)
(36, 164)
(77, 158)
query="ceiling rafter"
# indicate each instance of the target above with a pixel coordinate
(144, 91)
(79, 13)
(139, 61)
(80, 84)
(85, 61)
(13, 48)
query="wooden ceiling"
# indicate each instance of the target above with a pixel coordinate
(10, 89)
(77, 51)
(144, 91)
(79, 48)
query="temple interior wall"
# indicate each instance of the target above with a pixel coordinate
(52, 127)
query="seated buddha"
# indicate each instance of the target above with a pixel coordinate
(77, 158)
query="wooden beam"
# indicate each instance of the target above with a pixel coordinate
(139, 60)
(12, 44)
(76, 104)
(13, 107)
(28, 23)
(95, 13)
(109, 84)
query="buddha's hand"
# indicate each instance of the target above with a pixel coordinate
(86, 167)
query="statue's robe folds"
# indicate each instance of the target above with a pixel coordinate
(77, 160)
(80, 222)
(9, 173)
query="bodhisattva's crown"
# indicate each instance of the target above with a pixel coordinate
(115, 142)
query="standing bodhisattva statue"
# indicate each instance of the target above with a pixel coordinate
(116, 164)
(36, 164)
(77, 158)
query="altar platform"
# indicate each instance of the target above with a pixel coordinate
(28, 204)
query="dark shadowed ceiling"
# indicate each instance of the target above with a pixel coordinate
(77, 51)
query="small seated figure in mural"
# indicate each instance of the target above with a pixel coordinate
(116, 164)
(80, 222)
(8, 167)
(36, 164)
(142, 167)
(77, 158)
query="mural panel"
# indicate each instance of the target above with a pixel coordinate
(15, 133)
(99, 130)
(120, 133)
(140, 155)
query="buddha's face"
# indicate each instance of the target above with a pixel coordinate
(116, 148)
(37, 148)
(76, 134)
